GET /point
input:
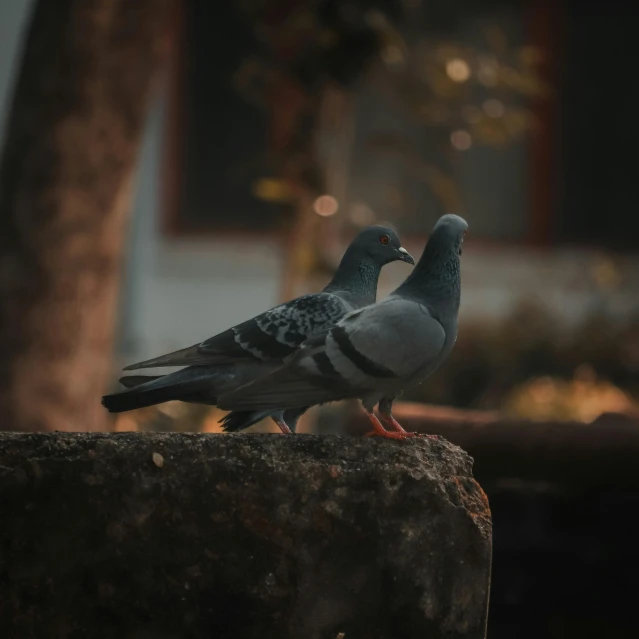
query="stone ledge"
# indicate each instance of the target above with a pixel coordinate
(176, 535)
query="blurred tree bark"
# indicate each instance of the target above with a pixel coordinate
(78, 113)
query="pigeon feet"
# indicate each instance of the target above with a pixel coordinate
(395, 425)
(380, 431)
(283, 426)
(389, 420)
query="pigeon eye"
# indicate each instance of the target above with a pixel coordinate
(384, 239)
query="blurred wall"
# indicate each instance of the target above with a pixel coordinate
(177, 291)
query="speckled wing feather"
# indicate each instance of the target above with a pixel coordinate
(369, 350)
(271, 336)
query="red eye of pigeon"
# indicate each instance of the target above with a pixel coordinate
(384, 239)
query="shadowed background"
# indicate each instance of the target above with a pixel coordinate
(246, 143)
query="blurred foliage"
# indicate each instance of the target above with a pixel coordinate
(583, 398)
(478, 90)
(310, 50)
(470, 95)
(306, 46)
(464, 96)
(313, 42)
(533, 365)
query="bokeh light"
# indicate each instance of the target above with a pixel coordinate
(493, 108)
(458, 70)
(325, 205)
(461, 140)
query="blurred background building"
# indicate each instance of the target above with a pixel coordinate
(511, 113)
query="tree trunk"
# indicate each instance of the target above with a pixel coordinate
(65, 180)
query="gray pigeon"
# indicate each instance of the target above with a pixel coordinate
(378, 351)
(262, 344)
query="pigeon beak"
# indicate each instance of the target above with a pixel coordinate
(405, 256)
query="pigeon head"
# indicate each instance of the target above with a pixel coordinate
(448, 233)
(358, 272)
(437, 274)
(381, 244)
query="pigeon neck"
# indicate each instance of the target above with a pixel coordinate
(357, 275)
(435, 280)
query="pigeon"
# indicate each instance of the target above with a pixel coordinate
(260, 345)
(376, 352)
(234, 421)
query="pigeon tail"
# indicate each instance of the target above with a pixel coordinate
(238, 420)
(122, 402)
(197, 383)
(183, 357)
(130, 381)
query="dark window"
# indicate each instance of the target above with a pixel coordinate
(572, 180)
(600, 137)
(430, 142)
(220, 136)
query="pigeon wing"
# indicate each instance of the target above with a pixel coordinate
(271, 336)
(371, 349)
